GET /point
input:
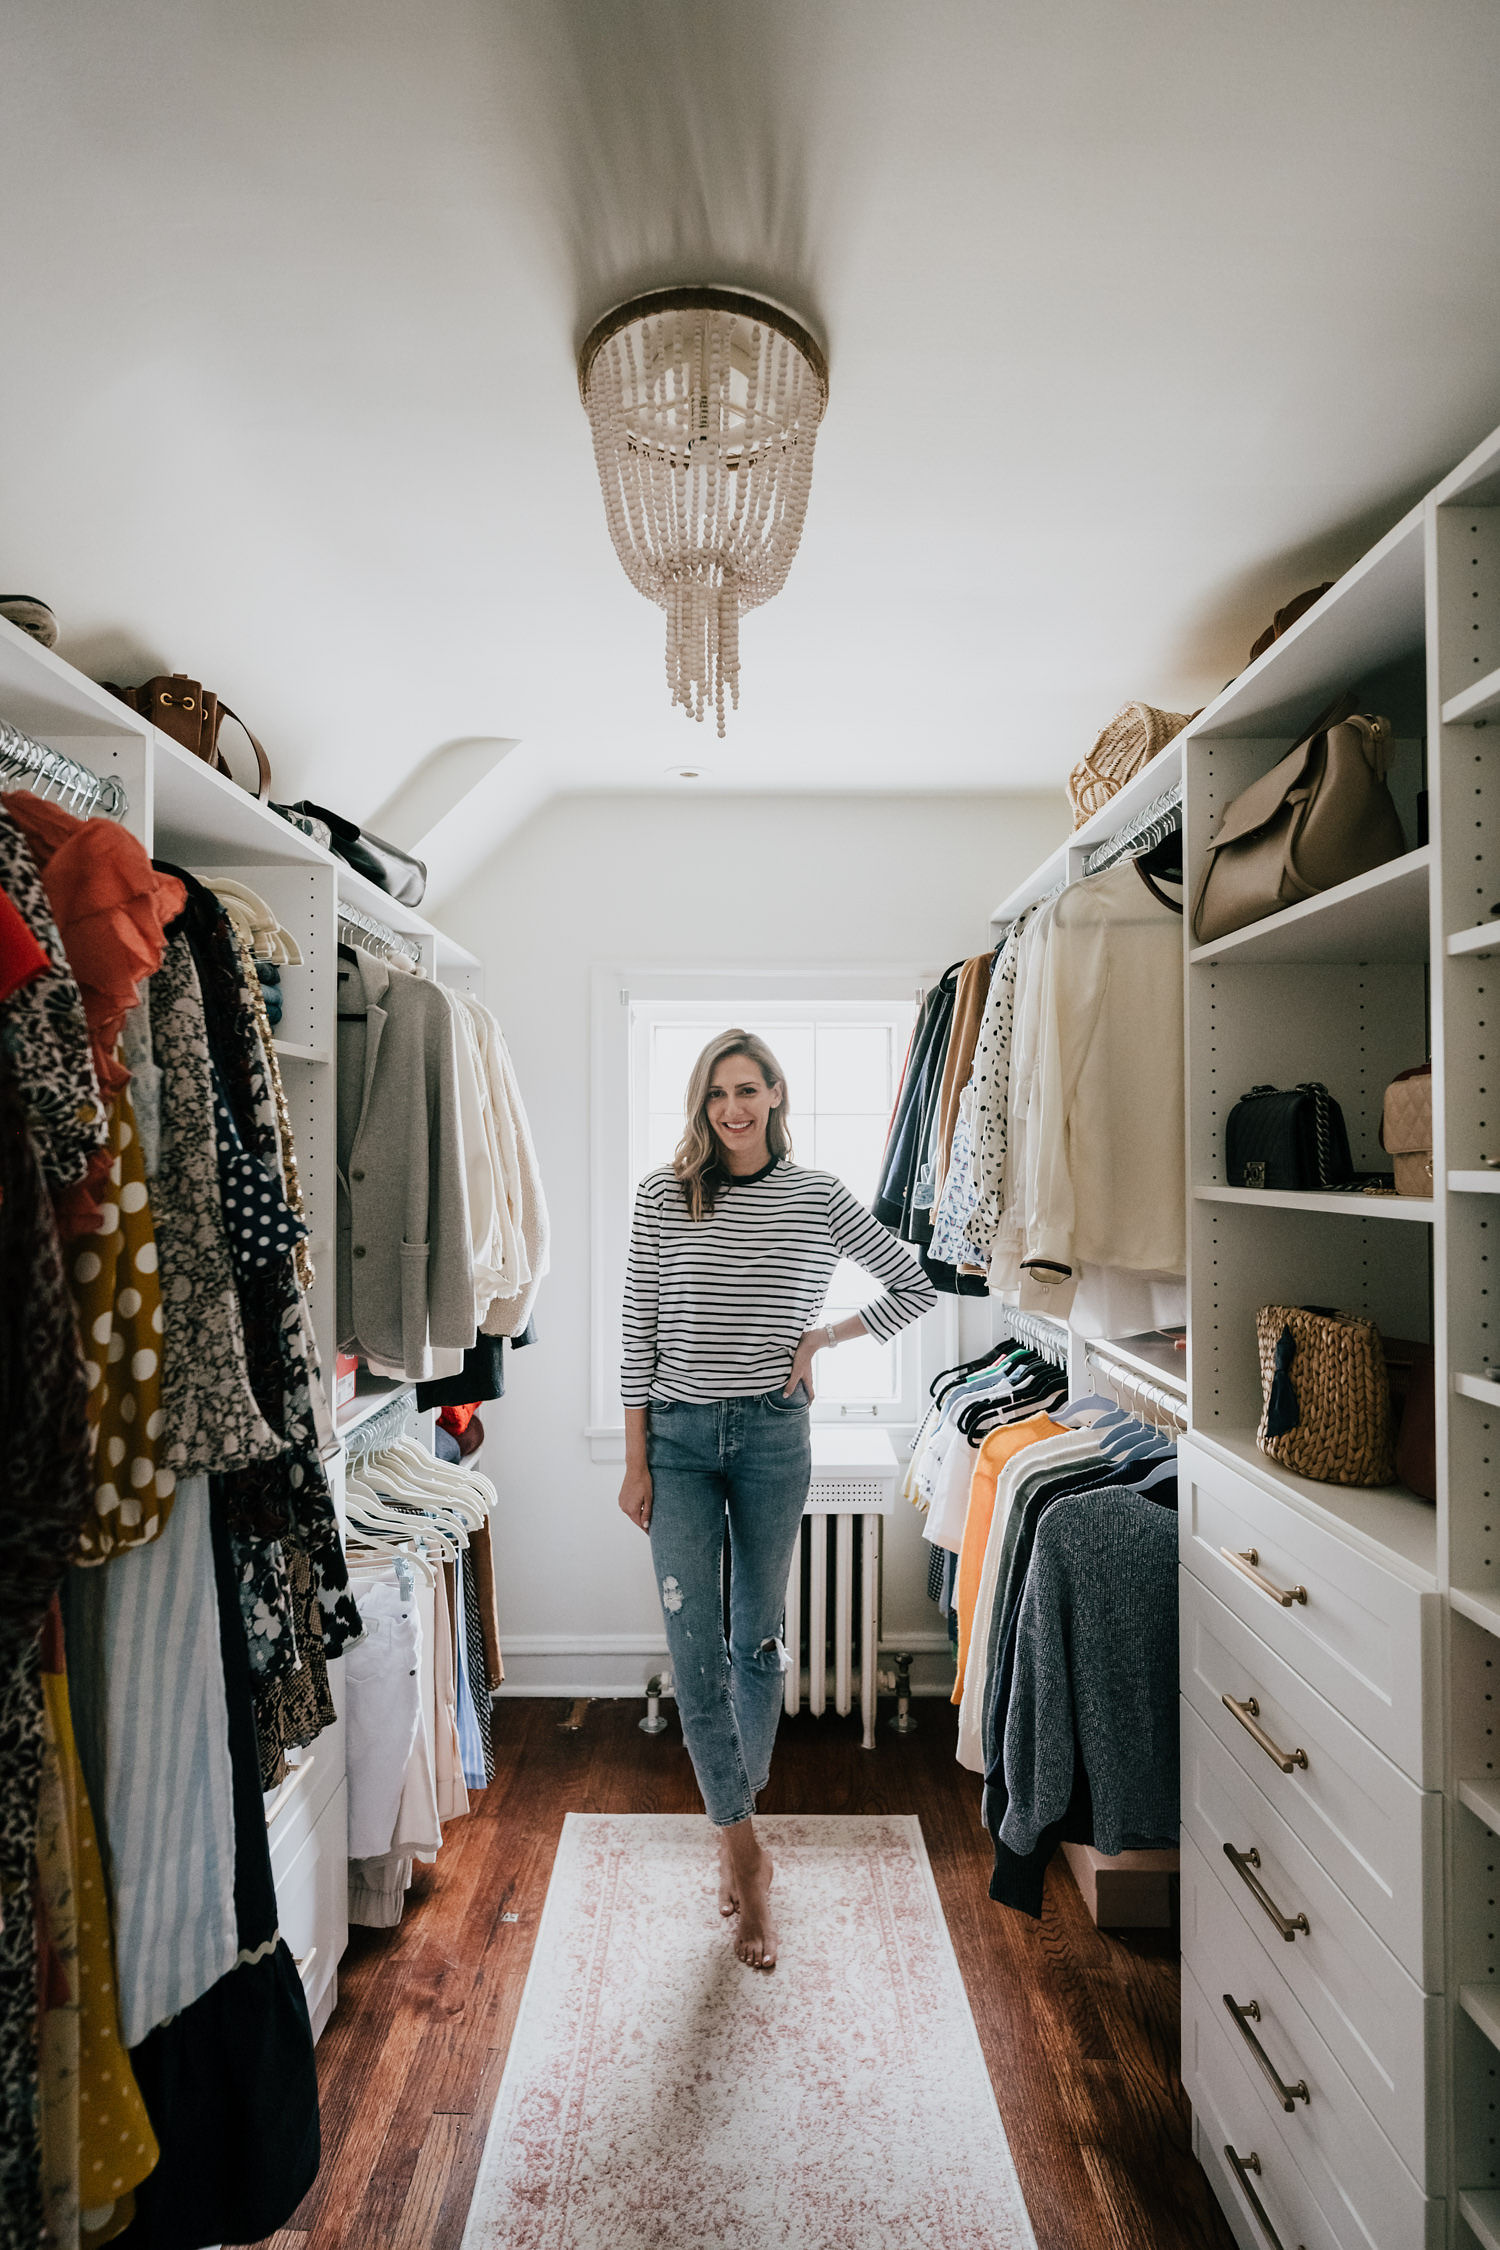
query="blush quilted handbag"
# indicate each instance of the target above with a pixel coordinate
(1406, 1129)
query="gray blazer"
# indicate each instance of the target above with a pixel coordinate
(405, 1272)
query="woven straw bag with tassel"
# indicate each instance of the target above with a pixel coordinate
(1131, 740)
(1327, 1395)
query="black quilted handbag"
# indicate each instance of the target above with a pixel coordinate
(1295, 1139)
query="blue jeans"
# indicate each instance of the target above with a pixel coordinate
(747, 1461)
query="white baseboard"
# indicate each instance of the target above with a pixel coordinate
(611, 1666)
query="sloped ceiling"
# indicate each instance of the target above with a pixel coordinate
(1140, 317)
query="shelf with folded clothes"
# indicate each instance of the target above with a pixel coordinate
(1352, 1203)
(1382, 915)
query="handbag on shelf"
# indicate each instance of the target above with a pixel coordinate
(1287, 616)
(1132, 739)
(1320, 816)
(1287, 1139)
(1406, 1129)
(401, 875)
(193, 716)
(1327, 1412)
(1410, 1371)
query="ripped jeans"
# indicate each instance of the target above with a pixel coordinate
(747, 1462)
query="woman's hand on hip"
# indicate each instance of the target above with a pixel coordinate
(635, 1497)
(802, 1366)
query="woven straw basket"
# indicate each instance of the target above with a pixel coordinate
(1131, 740)
(1339, 1395)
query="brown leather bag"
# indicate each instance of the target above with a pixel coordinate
(1410, 1371)
(1286, 617)
(192, 715)
(1320, 816)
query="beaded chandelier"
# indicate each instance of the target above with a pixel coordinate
(705, 405)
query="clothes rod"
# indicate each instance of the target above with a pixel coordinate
(60, 776)
(383, 1428)
(395, 940)
(1158, 821)
(1039, 1331)
(1147, 1400)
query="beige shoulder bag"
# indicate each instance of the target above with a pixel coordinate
(1323, 814)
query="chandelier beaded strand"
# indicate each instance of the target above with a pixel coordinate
(704, 405)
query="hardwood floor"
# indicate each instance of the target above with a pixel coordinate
(1079, 2029)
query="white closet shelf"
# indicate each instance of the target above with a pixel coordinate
(357, 890)
(1483, 938)
(1474, 1183)
(1389, 1523)
(1142, 789)
(369, 1401)
(297, 1050)
(1418, 1207)
(1477, 1386)
(1483, 1801)
(1371, 616)
(42, 694)
(1481, 2004)
(1378, 916)
(1474, 704)
(1481, 2210)
(202, 819)
(1483, 1609)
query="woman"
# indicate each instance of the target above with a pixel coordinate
(731, 1255)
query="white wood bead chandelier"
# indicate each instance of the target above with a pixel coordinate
(705, 405)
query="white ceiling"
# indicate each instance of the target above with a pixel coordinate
(1140, 317)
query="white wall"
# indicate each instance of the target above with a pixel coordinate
(669, 881)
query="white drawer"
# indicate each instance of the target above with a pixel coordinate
(312, 1903)
(1365, 1638)
(1383, 2029)
(1340, 2149)
(1304, 2196)
(294, 1809)
(1376, 1833)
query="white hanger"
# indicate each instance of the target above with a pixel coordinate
(388, 1480)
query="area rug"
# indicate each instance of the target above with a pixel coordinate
(658, 2096)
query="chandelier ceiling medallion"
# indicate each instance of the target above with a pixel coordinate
(705, 405)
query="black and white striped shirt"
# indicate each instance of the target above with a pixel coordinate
(716, 1308)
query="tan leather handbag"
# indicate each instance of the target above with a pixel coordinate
(1406, 1129)
(1321, 815)
(193, 715)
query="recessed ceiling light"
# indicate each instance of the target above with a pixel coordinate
(685, 773)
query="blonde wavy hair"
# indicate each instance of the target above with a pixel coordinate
(699, 1163)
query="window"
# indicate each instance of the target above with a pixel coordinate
(841, 1038)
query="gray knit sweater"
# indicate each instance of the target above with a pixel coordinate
(1096, 1664)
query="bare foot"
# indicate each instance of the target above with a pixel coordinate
(756, 1940)
(729, 1890)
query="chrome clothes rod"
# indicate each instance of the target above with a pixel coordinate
(1157, 821)
(60, 776)
(366, 926)
(382, 1428)
(1140, 1397)
(1039, 1331)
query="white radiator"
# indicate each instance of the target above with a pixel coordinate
(854, 1479)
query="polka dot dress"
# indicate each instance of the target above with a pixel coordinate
(117, 1292)
(258, 1220)
(96, 2136)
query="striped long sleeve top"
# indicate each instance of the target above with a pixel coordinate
(715, 1308)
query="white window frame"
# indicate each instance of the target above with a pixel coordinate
(614, 989)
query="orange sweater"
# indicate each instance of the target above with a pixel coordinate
(999, 1447)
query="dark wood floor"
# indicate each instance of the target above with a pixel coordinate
(1079, 2029)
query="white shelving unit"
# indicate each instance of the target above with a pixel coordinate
(186, 814)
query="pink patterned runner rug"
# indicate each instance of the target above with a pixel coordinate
(658, 2096)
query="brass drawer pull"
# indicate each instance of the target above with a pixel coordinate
(1248, 1713)
(1244, 1561)
(1288, 2096)
(1243, 2167)
(1288, 1924)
